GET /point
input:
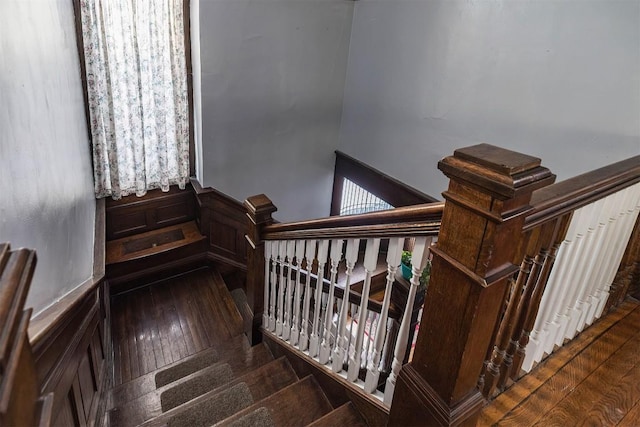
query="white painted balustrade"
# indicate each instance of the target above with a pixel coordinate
(303, 308)
(586, 264)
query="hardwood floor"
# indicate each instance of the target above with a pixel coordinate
(594, 380)
(165, 322)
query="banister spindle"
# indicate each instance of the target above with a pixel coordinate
(418, 263)
(286, 325)
(394, 255)
(309, 254)
(314, 342)
(297, 299)
(325, 347)
(282, 284)
(370, 262)
(274, 285)
(267, 316)
(342, 340)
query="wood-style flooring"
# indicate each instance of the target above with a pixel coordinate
(167, 321)
(593, 381)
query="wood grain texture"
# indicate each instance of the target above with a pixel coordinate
(592, 380)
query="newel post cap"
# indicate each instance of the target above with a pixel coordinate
(260, 208)
(502, 173)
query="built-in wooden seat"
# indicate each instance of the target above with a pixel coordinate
(153, 242)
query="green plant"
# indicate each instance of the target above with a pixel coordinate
(426, 273)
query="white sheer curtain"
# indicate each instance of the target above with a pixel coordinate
(137, 91)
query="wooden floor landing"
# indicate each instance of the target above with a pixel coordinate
(162, 323)
(592, 381)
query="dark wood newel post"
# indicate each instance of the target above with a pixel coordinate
(259, 211)
(486, 203)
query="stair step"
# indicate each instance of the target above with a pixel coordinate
(297, 405)
(152, 242)
(150, 405)
(261, 383)
(345, 415)
(237, 352)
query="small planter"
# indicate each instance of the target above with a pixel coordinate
(406, 271)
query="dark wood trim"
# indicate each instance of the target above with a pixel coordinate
(573, 193)
(389, 189)
(99, 239)
(410, 220)
(83, 69)
(186, 13)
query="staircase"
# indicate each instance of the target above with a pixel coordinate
(227, 383)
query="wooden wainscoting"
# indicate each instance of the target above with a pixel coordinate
(224, 221)
(135, 215)
(72, 350)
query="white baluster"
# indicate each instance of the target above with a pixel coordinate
(588, 301)
(394, 255)
(579, 283)
(274, 285)
(621, 238)
(268, 310)
(297, 299)
(342, 340)
(309, 254)
(325, 347)
(314, 341)
(418, 262)
(286, 325)
(282, 284)
(370, 263)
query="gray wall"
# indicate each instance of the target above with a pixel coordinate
(272, 76)
(46, 182)
(555, 79)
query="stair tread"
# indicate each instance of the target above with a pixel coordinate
(345, 415)
(298, 404)
(229, 352)
(152, 242)
(138, 410)
(261, 382)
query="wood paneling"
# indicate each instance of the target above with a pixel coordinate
(223, 220)
(133, 215)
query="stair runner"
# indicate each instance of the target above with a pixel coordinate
(242, 387)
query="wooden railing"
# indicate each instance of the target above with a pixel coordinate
(347, 330)
(20, 401)
(575, 238)
(516, 254)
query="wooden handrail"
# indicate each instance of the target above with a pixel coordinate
(417, 220)
(566, 196)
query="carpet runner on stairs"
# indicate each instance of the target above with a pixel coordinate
(233, 385)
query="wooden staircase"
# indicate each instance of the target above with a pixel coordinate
(226, 383)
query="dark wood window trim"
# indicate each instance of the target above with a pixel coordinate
(377, 183)
(186, 8)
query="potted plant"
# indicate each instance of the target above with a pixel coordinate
(405, 264)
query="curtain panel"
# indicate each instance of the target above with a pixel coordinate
(137, 91)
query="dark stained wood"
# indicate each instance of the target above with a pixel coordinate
(167, 321)
(489, 192)
(592, 380)
(132, 215)
(345, 415)
(223, 220)
(259, 216)
(296, 405)
(337, 389)
(628, 272)
(186, 19)
(411, 220)
(389, 189)
(262, 382)
(574, 193)
(21, 401)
